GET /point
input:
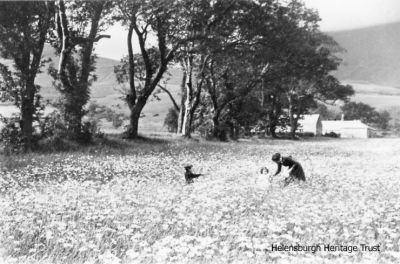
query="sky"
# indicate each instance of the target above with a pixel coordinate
(335, 14)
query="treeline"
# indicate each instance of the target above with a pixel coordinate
(244, 62)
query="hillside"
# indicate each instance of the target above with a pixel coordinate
(372, 54)
(371, 64)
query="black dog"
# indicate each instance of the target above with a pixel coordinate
(189, 175)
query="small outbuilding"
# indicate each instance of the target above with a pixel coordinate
(310, 124)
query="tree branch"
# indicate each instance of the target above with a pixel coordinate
(131, 65)
(100, 37)
(64, 37)
(170, 96)
(145, 55)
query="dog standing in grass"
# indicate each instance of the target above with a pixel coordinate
(189, 175)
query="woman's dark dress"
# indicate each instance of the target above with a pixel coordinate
(297, 171)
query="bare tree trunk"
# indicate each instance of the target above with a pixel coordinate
(62, 29)
(293, 128)
(273, 132)
(218, 132)
(180, 118)
(182, 108)
(30, 71)
(234, 132)
(187, 118)
(272, 125)
(190, 108)
(273, 119)
(292, 119)
(27, 111)
(191, 104)
(136, 110)
(262, 93)
(193, 92)
(216, 124)
(187, 124)
(136, 106)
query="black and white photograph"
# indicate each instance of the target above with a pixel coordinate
(200, 131)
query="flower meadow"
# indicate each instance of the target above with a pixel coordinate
(133, 206)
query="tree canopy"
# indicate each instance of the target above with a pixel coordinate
(366, 113)
(24, 28)
(244, 63)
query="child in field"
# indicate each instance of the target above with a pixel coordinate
(295, 170)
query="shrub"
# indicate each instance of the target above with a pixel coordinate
(332, 134)
(53, 126)
(117, 121)
(171, 120)
(306, 134)
(90, 130)
(206, 129)
(97, 112)
(54, 129)
(11, 135)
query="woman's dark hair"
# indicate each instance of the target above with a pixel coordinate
(276, 157)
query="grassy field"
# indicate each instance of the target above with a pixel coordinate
(128, 203)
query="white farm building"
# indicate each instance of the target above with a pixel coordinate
(306, 124)
(310, 124)
(347, 128)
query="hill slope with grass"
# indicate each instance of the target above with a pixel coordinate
(371, 64)
(372, 54)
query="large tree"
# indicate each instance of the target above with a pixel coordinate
(144, 18)
(23, 32)
(273, 103)
(241, 64)
(207, 24)
(78, 26)
(307, 59)
(230, 79)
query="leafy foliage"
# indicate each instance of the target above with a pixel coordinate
(325, 112)
(300, 59)
(273, 51)
(11, 135)
(366, 113)
(9, 90)
(23, 31)
(171, 120)
(98, 112)
(78, 26)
